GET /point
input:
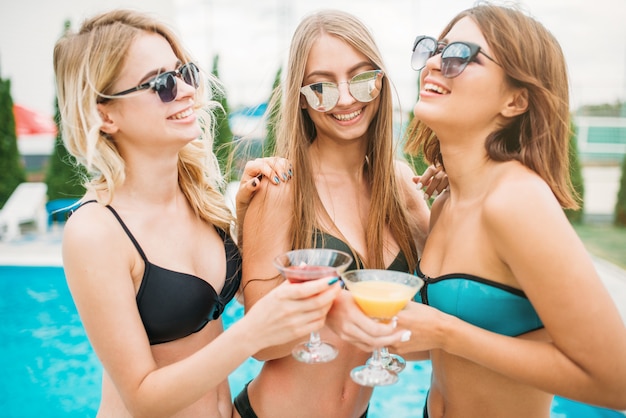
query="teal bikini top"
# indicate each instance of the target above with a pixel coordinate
(486, 304)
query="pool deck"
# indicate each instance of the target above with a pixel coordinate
(36, 249)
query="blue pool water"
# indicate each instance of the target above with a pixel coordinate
(50, 370)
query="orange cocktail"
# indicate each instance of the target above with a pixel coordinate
(380, 294)
(381, 300)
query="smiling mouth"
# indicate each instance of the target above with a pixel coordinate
(348, 116)
(436, 89)
(183, 114)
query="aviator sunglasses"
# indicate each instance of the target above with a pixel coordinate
(164, 84)
(454, 56)
(364, 87)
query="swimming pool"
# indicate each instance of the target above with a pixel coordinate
(50, 369)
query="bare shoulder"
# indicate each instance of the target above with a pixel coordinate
(90, 223)
(518, 191)
(404, 171)
(92, 235)
(519, 201)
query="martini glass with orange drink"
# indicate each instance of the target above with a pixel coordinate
(298, 266)
(380, 294)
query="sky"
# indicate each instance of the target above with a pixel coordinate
(252, 38)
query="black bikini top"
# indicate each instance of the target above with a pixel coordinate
(173, 305)
(325, 240)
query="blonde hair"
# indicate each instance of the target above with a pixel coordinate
(86, 65)
(532, 59)
(295, 132)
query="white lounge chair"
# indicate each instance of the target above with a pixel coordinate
(26, 204)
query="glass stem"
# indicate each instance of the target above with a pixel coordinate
(385, 357)
(375, 361)
(314, 340)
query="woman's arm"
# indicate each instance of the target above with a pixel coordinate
(273, 170)
(99, 264)
(267, 232)
(417, 208)
(586, 359)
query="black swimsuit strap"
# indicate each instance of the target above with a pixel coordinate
(130, 235)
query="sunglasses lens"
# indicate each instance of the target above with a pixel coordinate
(321, 96)
(190, 74)
(366, 86)
(165, 86)
(424, 49)
(454, 59)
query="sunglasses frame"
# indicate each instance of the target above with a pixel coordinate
(159, 82)
(321, 108)
(442, 47)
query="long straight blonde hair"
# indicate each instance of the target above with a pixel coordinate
(295, 132)
(86, 65)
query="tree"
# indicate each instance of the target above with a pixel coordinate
(620, 205)
(222, 145)
(269, 148)
(416, 161)
(576, 176)
(64, 175)
(12, 171)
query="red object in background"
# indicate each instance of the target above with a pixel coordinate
(30, 122)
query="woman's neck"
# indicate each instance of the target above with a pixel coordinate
(332, 159)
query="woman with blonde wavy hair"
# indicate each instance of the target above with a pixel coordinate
(148, 255)
(349, 192)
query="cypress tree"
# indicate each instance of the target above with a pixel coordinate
(222, 145)
(416, 161)
(12, 171)
(620, 205)
(64, 176)
(576, 176)
(269, 148)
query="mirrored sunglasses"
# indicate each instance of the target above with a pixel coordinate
(454, 56)
(164, 84)
(324, 96)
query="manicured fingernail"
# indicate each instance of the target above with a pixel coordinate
(333, 281)
(435, 194)
(419, 185)
(285, 177)
(276, 179)
(406, 336)
(426, 196)
(290, 172)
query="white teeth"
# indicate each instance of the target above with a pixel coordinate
(349, 116)
(182, 114)
(435, 88)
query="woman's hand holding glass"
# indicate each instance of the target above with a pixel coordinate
(380, 294)
(349, 322)
(291, 311)
(425, 325)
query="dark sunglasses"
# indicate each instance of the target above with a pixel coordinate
(164, 84)
(364, 87)
(454, 56)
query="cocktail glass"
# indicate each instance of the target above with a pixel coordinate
(298, 266)
(390, 361)
(380, 294)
